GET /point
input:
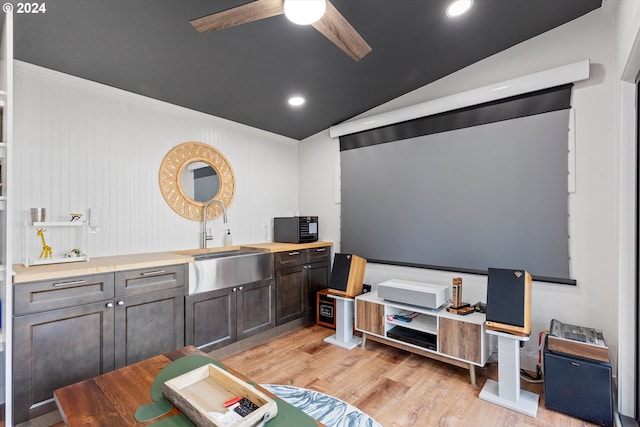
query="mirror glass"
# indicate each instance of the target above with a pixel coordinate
(200, 181)
(192, 174)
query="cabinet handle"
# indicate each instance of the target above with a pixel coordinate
(70, 283)
(120, 303)
(294, 253)
(239, 288)
(321, 249)
(109, 305)
(152, 273)
(234, 289)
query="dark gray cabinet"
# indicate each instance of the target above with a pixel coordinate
(299, 275)
(56, 348)
(147, 325)
(149, 316)
(72, 329)
(255, 311)
(218, 318)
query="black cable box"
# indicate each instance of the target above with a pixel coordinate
(414, 337)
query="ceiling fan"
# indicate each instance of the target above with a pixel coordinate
(331, 24)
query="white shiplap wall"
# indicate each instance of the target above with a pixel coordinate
(79, 144)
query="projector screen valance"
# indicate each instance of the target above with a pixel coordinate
(477, 188)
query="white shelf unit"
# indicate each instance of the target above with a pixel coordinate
(6, 218)
(423, 323)
(3, 174)
(75, 237)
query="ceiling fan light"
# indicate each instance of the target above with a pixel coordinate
(304, 12)
(458, 7)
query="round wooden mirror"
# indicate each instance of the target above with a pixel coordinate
(190, 173)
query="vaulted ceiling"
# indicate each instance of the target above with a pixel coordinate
(246, 73)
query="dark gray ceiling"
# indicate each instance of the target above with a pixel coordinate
(246, 73)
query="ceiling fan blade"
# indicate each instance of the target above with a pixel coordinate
(336, 28)
(249, 12)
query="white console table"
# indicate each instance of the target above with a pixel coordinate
(344, 324)
(506, 392)
(451, 338)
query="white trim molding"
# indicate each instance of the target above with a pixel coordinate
(569, 73)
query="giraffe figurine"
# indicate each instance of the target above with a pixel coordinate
(46, 249)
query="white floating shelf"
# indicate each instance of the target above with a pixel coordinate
(58, 224)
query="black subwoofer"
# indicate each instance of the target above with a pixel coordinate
(582, 388)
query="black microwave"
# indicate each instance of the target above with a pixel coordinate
(295, 229)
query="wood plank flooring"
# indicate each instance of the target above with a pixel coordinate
(396, 388)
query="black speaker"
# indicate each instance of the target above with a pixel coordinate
(579, 387)
(347, 275)
(325, 309)
(509, 301)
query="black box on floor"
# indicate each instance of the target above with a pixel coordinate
(579, 387)
(325, 309)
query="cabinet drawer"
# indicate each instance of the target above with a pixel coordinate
(291, 257)
(34, 297)
(144, 280)
(320, 254)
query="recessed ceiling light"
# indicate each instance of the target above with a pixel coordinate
(296, 101)
(458, 7)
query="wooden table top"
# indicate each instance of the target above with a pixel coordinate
(112, 399)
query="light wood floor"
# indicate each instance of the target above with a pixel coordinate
(396, 388)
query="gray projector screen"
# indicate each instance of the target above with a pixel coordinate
(486, 196)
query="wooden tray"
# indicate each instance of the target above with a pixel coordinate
(200, 394)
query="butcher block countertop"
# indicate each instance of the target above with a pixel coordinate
(96, 265)
(109, 264)
(284, 247)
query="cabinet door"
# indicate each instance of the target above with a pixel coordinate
(255, 307)
(290, 293)
(317, 279)
(148, 325)
(370, 317)
(211, 319)
(56, 348)
(460, 339)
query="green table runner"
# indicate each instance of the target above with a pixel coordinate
(288, 415)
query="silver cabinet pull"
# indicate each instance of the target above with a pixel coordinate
(294, 253)
(152, 273)
(321, 249)
(239, 288)
(70, 283)
(109, 305)
(120, 303)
